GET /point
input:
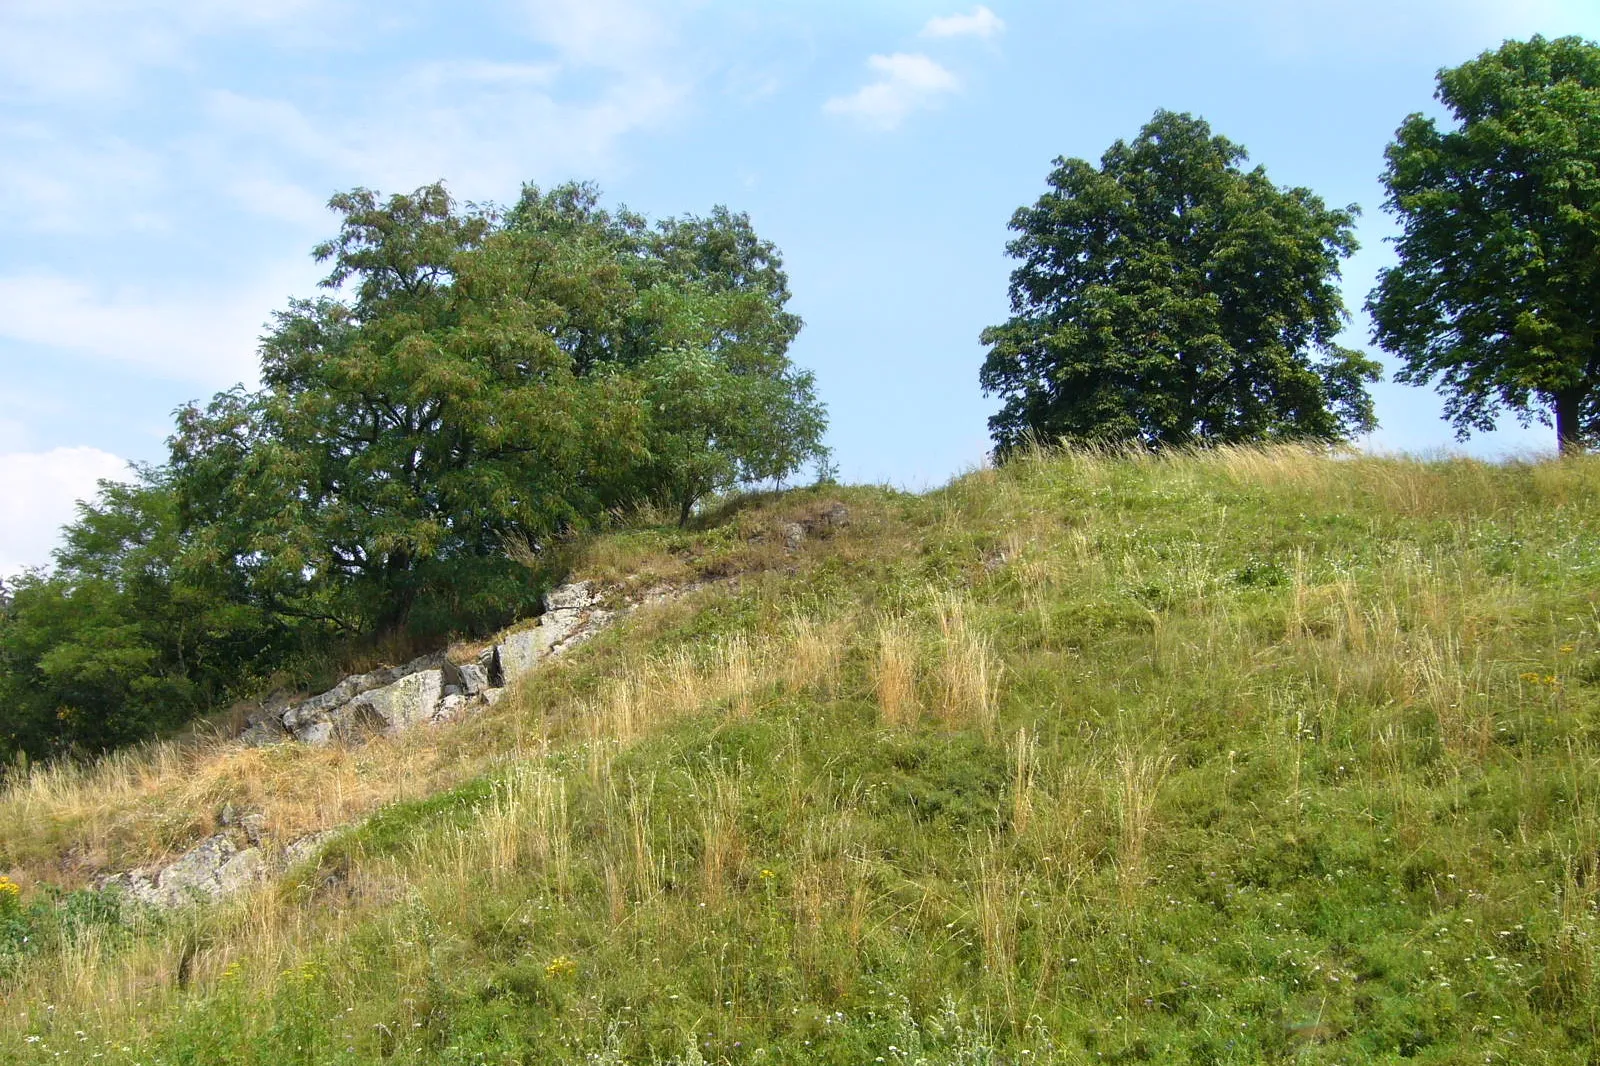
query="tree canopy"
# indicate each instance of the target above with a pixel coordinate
(475, 381)
(1494, 294)
(1169, 297)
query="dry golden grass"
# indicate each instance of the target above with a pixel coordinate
(894, 673)
(1139, 776)
(67, 824)
(968, 670)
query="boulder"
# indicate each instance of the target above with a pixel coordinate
(794, 534)
(306, 847)
(473, 678)
(255, 828)
(315, 733)
(213, 868)
(573, 597)
(454, 705)
(395, 707)
(262, 733)
(517, 654)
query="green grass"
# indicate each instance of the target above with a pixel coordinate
(1225, 758)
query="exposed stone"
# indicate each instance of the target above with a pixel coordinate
(254, 826)
(451, 707)
(262, 734)
(306, 847)
(213, 868)
(474, 679)
(576, 596)
(793, 535)
(515, 655)
(315, 733)
(835, 517)
(395, 707)
(492, 696)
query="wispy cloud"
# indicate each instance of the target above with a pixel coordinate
(980, 22)
(94, 49)
(906, 81)
(38, 491)
(201, 337)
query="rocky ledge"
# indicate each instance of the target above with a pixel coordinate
(433, 689)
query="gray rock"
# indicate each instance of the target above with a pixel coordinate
(556, 626)
(244, 869)
(255, 828)
(517, 654)
(591, 625)
(263, 734)
(576, 596)
(315, 733)
(835, 517)
(793, 535)
(492, 696)
(474, 678)
(394, 708)
(306, 847)
(213, 868)
(454, 705)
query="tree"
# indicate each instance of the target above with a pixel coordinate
(120, 641)
(487, 378)
(1495, 291)
(1170, 297)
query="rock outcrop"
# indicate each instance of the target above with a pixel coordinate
(215, 867)
(433, 689)
(387, 701)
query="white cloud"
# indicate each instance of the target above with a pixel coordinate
(38, 491)
(205, 337)
(53, 181)
(906, 81)
(980, 22)
(93, 49)
(484, 129)
(611, 34)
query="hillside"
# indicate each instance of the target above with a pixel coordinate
(1244, 756)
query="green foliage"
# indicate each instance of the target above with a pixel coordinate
(478, 385)
(1499, 252)
(1170, 297)
(492, 379)
(125, 638)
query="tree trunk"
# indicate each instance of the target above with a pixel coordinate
(1569, 434)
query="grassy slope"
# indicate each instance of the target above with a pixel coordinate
(1246, 757)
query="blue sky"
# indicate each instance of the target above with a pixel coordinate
(164, 166)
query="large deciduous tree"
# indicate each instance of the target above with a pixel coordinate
(1496, 295)
(483, 378)
(1168, 297)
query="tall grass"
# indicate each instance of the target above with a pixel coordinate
(1253, 755)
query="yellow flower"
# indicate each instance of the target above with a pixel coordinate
(561, 966)
(767, 875)
(1568, 649)
(9, 889)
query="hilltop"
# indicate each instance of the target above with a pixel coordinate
(1234, 756)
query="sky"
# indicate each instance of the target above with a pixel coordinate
(165, 167)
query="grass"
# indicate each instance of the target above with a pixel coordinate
(1233, 757)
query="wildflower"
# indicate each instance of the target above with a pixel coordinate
(1568, 649)
(561, 966)
(767, 875)
(9, 889)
